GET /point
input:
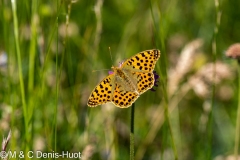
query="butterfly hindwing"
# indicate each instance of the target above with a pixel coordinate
(122, 98)
(145, 81)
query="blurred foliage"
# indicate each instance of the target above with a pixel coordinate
(201, 124)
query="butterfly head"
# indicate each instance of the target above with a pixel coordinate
(120, 64)
(114, 69)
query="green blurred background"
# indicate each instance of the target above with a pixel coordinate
(46, 77)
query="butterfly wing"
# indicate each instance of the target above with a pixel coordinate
(143, 62)
(102, 92)
(145, 81)
(123, 98)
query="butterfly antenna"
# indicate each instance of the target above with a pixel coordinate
(111, 60)
(99, 70)
(110, 54)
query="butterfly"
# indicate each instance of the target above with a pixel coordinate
(127, 82)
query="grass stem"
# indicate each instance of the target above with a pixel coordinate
(237, 134)
(19, 61)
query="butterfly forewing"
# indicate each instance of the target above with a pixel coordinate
(103, 92)
(144, 61)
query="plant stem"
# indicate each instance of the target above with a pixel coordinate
(132, 133)
(237, 134)
(19, 61)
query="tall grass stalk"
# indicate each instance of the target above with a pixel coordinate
(57, 89)
(237, 134)
(214, 51)
(156, 25)
(31, 68)
(32, 49)
(166, 115)
(57, 82)
(19, 61)
(43, 85)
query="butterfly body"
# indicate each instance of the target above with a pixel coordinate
(127, 82)
(125, 79)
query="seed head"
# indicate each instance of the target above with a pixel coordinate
(234, 51)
